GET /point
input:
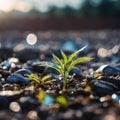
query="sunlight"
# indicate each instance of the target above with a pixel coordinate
(23, 6)
(31, 39)
(7, 5)
(40, 5)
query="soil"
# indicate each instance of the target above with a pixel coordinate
(93, 88)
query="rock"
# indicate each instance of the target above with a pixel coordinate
(18, 79)
(50, 70)
(43, 113)
(8, 96)
(102, 88)
(39, 66)
(6, 65)
(108, 70)
(111, 80)
(4, 103)
(23, 72)
(4, 73)
(28, 103)
(78, 73)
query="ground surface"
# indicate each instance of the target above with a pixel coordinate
(93, 93)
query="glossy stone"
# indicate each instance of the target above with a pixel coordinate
(18, 79)
(108, 70)
(23, 72)
(78, 73)
(102, 88)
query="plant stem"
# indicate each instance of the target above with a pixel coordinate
(64, 82)
(64, 77)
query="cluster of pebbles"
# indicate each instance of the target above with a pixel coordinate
(93, 93)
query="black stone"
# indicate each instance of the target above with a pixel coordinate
(18, 79)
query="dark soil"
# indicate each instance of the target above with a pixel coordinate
(93, 88)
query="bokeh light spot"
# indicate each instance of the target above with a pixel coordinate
(31, 39)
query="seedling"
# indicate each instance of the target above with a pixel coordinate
(41, 81)
(65, 65)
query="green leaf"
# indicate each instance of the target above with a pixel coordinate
(45, 77)
(82, 59)
(58, 61)
(72, 56)
(64, 57)
(49, 81)
(66, 64)
(57, 69)
(77, 61)
(34, 78)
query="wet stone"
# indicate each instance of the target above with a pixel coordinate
(6, 65)
(23, 72)
(18, 79)
(28, 103)
(4, 73)
(78, 73)
(108, 70)
(111, 80)
(4, 103)
(111, 71)
(43, 113)
(102, 88)
(50, 70)
(8, 96)
(39, 66)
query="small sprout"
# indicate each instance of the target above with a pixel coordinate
(62, 101)
(34, 78)
(67, 63)
(42, 81)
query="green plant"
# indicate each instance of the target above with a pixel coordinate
(65, 65)
(42, 81)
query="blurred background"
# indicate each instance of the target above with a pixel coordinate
(33, 22)
(59, 14)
